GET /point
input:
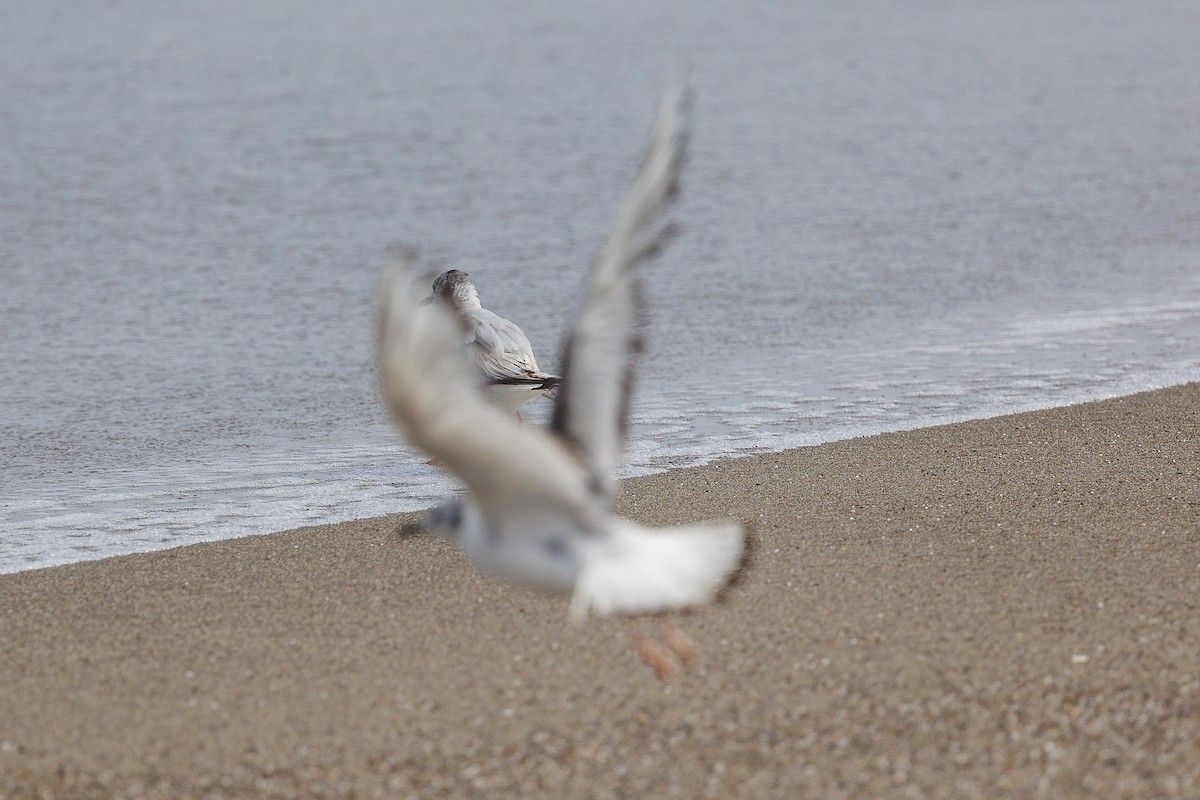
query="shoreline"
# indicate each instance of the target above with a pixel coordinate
(993, 607)
(691, 461)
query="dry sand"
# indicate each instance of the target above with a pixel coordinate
(1005, 608)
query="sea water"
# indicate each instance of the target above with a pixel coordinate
(893, 215)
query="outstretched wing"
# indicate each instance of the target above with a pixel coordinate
(433, 393)
(597, 364)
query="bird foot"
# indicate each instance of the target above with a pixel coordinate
(680, 643)
(667, 661)
(659, 660)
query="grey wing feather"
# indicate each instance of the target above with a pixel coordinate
(592, 404)
(502, 349)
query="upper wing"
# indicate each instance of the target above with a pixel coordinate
(597, 364)
(433, 393)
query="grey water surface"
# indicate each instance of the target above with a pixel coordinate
(894, 215)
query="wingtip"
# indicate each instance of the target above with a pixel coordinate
(400, 262)
(405, 253)
(675, 109)
(400, 283)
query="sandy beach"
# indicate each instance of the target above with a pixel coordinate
(1002, 608)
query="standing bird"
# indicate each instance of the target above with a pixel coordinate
(539, 503)
(500, 349)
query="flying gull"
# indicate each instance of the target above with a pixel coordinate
(539, 504)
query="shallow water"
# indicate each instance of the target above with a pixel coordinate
(892, 217)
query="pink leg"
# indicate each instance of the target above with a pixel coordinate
(678, 641)
(652, 654)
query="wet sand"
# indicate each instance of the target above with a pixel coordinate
(1003, 608)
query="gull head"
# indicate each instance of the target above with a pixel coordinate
(446, 521)
(454, 288)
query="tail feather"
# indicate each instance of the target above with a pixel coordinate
(536, 383)
(640, 570)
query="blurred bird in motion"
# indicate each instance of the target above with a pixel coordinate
(501, 350)
(539, 504)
